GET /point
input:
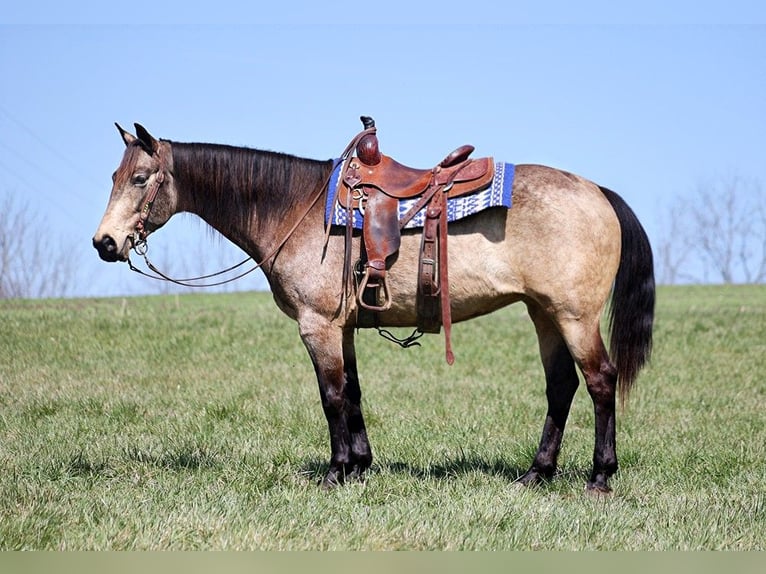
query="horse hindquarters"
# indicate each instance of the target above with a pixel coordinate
(567, 248)
(631, 315)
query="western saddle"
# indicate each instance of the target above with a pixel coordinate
(374, 184)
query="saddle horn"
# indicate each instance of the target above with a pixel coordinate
(367, 149)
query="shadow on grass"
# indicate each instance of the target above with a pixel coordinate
(183, 458)
(455, 468)
(193, 458)
(448, 469)
(81, 465)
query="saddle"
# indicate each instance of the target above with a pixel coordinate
(374, 183)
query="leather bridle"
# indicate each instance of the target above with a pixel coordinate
(148, 201)
(140, 234)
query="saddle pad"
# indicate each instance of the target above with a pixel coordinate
(498, 194)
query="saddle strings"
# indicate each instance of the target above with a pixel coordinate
(410, 341)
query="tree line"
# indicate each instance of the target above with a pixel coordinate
(32, 262)
(716, 234)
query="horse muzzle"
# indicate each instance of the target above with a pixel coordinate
(108, 249)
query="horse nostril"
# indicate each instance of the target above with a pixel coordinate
(106, 247)
(107, 244)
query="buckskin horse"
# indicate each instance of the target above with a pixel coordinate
(564, 248)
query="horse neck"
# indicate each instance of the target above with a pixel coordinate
(248, 195)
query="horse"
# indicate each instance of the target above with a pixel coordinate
(567, 248)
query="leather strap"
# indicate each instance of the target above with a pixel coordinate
(429, 316)
(433, 293)
(149, 198)
(444, 281)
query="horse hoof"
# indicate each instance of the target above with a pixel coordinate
(332, 480)
(338, 477)
(597, 490)
(530, 478)
(356, 474)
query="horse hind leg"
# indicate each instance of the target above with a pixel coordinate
(561, 382)
(588, 349)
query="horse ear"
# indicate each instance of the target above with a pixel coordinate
(127, 137)
(146, 139)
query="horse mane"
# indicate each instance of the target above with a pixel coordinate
(237, 187)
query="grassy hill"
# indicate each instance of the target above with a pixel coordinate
(194, 422)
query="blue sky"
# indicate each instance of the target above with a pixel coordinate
(647, 98)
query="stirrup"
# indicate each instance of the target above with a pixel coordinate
(383, 285)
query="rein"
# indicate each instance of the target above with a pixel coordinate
(141, 247)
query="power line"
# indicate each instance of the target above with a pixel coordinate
(52, 149)
(64, 207)
(38, 169)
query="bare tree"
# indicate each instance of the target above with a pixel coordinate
(723, 227)
(675, 247)
(29, 265)
(729, 224)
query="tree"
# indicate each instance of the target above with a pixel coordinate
(674, 249)
(722, 227)
(30, 264)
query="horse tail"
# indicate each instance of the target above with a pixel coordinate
(631, 314)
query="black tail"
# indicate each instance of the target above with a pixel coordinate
(631, 315)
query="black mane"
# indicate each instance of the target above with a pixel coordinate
(236, 186)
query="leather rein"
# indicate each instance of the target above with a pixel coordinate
(141, 247)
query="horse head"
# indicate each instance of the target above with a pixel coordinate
(143, 195)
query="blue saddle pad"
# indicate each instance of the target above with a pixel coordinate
(498, 194)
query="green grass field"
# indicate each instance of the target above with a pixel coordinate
(193, 422)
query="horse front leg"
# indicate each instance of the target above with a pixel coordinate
(361, 453)
(333, 356)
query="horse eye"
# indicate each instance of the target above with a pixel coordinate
(139, 179)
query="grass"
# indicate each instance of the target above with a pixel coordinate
(193, 422)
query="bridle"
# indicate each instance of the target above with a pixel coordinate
(140, 234)
(148, 201)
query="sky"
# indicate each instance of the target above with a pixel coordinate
(647, 98)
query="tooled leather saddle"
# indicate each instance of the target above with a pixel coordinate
(373, 183)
